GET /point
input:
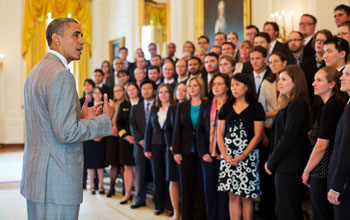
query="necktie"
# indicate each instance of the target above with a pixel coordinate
(257, 83)
(147, 111)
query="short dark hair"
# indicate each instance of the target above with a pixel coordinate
(229, 43)
(310, 16)
(212, 54)
(196, 58)
(346, 24)
(340, 45)
(259, 49)
(298, 32)
(222, 33)
(343, 7)
(273, 24)
(264, 35)
(148, 81)
(99, 70)
(58, 26)
(123, 48)
(253, 26)
(250, 96)
(123, 71)
(204, 37)
(150, 44)
(154, 68)
(89, 81)
(157, 55)
(325, 32)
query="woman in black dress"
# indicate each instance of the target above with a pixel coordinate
(185, 150)
(290, 143)
(327, 86)
(155, 148)
(240, 129)
(94, 152)
(126, 141)
(172, 173)
(112, 142)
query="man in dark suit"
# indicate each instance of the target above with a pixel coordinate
(155, 75)
(171, 49)
(211, 64)
(138, 116)
(98, 79)
(181, 71)
(273, 30)
(203, 43)
(339, 164)
(307, 27)
(341, 14)
(169, 74)
(123, 54)
(336, 52)
(258, 59)
(250, 32)
(228, 48)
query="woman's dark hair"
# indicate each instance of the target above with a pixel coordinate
(272, 77)
(226, 80)
(89, 81)
(300, 90)
(325, 32)
(158, 103)
(101, 91)
(132, 84)
(250, 94)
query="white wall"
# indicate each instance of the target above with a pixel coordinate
(12, 72)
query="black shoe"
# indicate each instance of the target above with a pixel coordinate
(110, 193)
(126, 201)
(157, 212)
(92, 191)
(101, 191)
(135, 206)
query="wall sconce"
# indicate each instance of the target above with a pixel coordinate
(2, 57)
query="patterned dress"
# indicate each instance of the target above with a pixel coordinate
(242, 179)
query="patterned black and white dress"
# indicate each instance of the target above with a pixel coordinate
(242, 179)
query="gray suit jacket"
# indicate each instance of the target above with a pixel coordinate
(53, 154)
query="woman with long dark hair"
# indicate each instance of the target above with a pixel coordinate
(289, 143)
(241, 123)
(155, 148)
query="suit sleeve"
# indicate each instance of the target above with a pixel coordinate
(149, 133)
(297, 113)
(66, 119)
(168, 128)
(177, 132)
(342, 169)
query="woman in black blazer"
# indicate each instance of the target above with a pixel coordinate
(326, 84)
(172, 174)
(126, 141)
(339, 164)
(186, 148)
(155, 148)
(290, 143)
(208, 150)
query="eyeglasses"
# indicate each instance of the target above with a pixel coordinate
(306, 24)
(343, 34)
(202, 42)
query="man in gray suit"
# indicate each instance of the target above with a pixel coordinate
(56, 126)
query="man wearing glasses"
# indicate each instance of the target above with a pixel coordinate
(307, 26)
(203, 43)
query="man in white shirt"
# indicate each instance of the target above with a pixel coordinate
(272, 29)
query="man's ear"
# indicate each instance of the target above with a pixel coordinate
(55, 39)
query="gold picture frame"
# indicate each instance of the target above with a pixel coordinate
(114, 47)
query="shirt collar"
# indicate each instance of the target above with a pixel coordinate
(61, 57)
(151, 102)
(307, 39)
(169, 81)
(272, 46)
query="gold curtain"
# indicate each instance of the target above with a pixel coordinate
(34, 28)
(81, 11)
(156, 15)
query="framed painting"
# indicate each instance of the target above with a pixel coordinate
(226, 16)
(114, 47)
